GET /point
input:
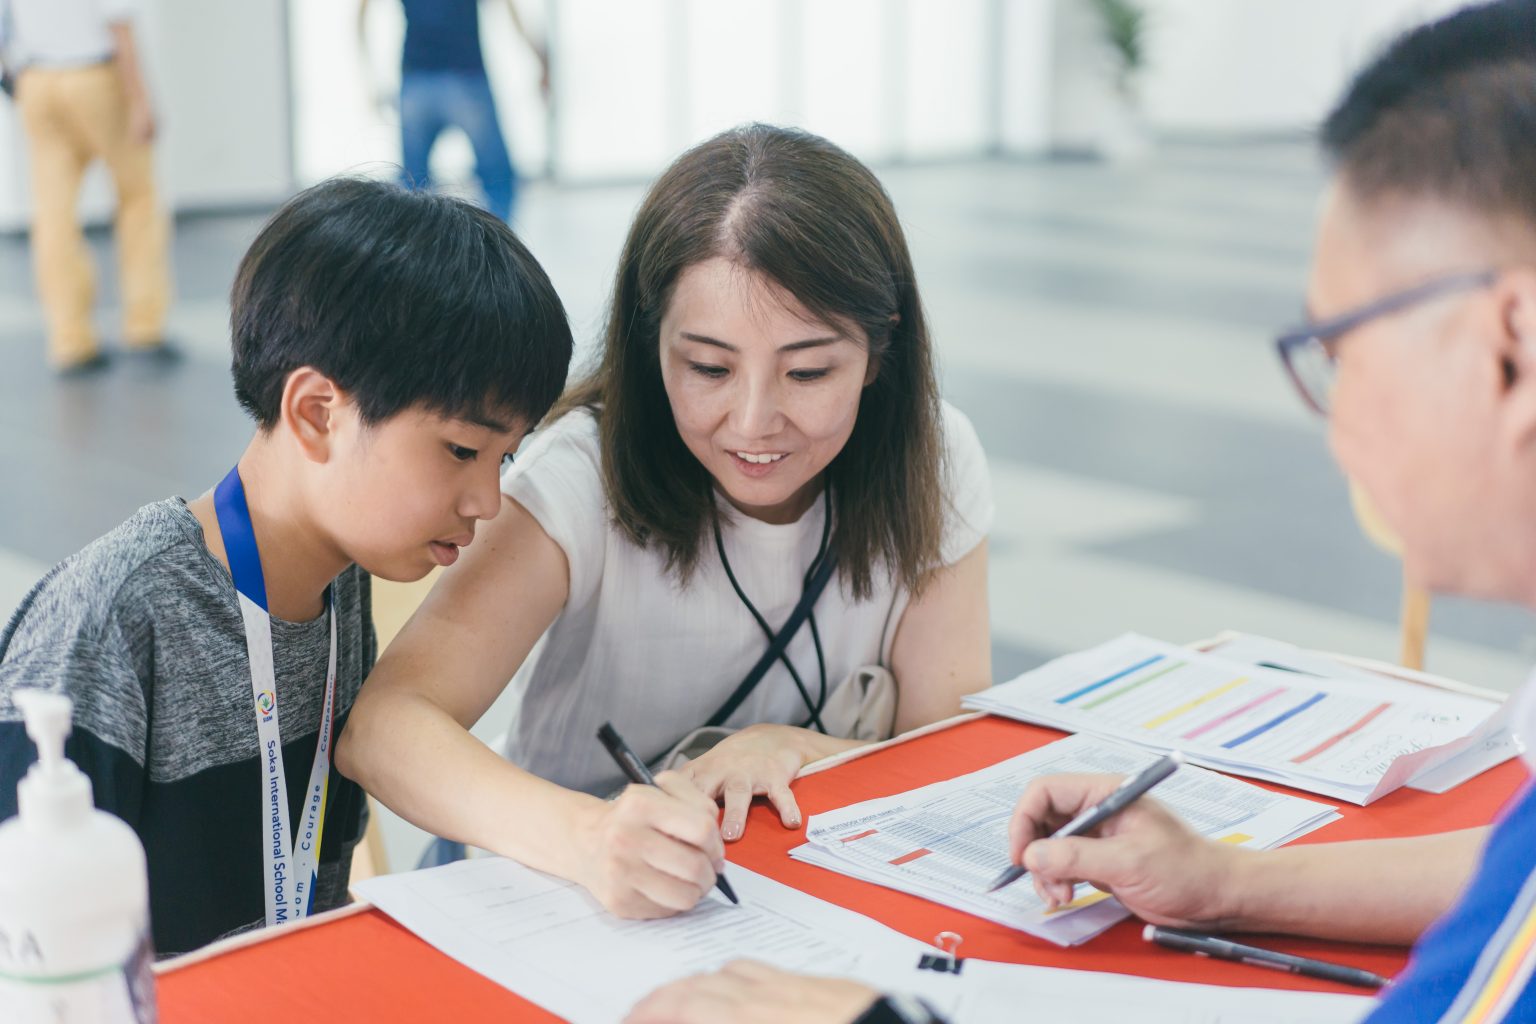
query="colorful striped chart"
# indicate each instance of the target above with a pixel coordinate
(948, 841)
(1350, 738)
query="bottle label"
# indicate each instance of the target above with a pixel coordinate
(122, 994)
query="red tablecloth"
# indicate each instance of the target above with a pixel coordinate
(367, 969)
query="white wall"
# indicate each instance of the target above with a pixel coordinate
(223, 92)
(1024, 45)
(1254, 66)
(944, 89)
(886, 79)
(620, 77)
(1081, 99)
(219, 79)
(13, 169)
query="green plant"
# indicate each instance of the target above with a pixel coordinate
(1124, 23)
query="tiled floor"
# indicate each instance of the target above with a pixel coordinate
(1106, 327)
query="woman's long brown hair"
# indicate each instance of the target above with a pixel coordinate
(804, 213)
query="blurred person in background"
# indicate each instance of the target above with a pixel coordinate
(80, 89)
(443, 84)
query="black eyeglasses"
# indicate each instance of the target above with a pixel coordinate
(1308, 352)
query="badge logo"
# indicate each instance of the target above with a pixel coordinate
(265, 702)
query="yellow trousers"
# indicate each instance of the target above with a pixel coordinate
(73, 117)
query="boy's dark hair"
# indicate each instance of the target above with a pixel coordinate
(403, 299)
(803, 213)
(1449, 111)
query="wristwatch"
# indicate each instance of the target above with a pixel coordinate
(897, 1009)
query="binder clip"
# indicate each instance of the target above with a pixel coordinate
(947, 960)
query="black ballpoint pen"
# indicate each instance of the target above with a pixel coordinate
(1225, 949)
(639, 774)
(1131, 790)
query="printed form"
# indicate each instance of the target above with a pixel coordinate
(549, 942)
(1352, 738)
(947, 841)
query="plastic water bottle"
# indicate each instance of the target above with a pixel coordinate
(74, 896)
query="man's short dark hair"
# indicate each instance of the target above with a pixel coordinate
(404, 299)
(1447, 111)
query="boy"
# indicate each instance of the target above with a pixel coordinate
(393, 348)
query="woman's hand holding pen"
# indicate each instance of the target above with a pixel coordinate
(654, 851)
(1161, 869)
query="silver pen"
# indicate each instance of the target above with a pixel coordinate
(1131, 790)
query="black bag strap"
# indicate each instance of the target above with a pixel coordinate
(775, 651)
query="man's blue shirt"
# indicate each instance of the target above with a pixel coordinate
(442, 35)
(1474, 965)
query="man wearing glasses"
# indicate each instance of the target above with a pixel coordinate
(1421, 352)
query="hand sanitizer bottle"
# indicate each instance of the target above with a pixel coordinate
(74, 895)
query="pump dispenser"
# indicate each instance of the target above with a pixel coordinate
(74, 894)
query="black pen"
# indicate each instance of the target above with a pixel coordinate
(1224, 949)
(641, 775)
(1131, 790)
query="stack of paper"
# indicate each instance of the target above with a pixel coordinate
(947, 841)
(1354, 738)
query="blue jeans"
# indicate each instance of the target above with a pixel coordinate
(433, 100)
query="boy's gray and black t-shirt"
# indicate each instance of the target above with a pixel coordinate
(142, 629)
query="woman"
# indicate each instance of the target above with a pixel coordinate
(765, 402)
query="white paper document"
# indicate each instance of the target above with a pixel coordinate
(1351, 738)
(947, 841)
(996, 993)
(1498, 745)
(550, 942)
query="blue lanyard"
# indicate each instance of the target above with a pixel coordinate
(290, 862)
(239, 538)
